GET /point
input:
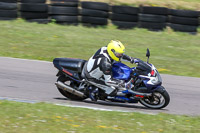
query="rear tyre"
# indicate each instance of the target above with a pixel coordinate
(34, 15)
(184, 13)
(124, 17)
(9, 1)
(154, 10)
(95, 5)
(124, 25)
(152, 26)
(33, 1)
(183, 28)
(67, 94)
(30, 7)
(94, 13)
(125, 10)
(94, 20)
(62, 18)
(158, 100)
(40, 21)
(8, 13)
(8, 6)
(60, 10)
(152, 18)
(183, 20)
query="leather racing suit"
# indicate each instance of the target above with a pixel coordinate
(98, 70)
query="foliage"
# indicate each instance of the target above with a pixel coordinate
(172, 4)
(171, 52)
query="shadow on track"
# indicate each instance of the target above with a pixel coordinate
(111, 104)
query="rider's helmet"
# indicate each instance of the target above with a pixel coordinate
(115, 50)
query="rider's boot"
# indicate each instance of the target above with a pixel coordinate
(93, 93)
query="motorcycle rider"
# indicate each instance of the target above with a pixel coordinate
(98, 69)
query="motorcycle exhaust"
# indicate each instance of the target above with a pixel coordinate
(69, 89)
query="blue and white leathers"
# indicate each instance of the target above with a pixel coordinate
(99, 70)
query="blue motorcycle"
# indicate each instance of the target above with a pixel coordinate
(143, 83)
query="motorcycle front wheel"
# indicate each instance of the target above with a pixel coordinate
(158, 100)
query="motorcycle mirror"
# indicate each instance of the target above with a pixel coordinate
(148, 53)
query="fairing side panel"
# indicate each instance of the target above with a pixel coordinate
(121, 71)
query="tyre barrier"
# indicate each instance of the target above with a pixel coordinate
(33, 1)
(153, 18)
(94, 13)
(8, 9)
(64, 11)
(98, 13)
(124, 17)
(9, 1)
(183, 20)
(34, 10)
(67, 3)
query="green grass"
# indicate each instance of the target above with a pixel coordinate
(174, 4)
(49, 118)
(171, 52)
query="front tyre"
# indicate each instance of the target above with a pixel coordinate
(67, 94)
(159, 99)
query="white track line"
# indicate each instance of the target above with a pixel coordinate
(67, 105)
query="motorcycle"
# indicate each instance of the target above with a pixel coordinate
(143, 83)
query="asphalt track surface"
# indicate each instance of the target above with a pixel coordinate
(30, 80)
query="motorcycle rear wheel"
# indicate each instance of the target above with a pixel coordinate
(67, 94)
(158, 100)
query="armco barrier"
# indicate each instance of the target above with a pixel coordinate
(99, 13)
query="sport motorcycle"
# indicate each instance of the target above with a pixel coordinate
(143, 83)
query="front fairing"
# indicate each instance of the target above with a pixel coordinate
(152, 81)
(150, 87)
(121, 71)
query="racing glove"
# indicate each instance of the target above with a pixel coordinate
(135, 60)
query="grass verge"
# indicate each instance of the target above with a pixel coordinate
(172, 4)
(171, 52)
(42, 117)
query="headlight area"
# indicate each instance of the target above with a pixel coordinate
(159, 77)
(154, 80)
(155, 77)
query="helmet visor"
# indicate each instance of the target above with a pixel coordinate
(118, 55)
